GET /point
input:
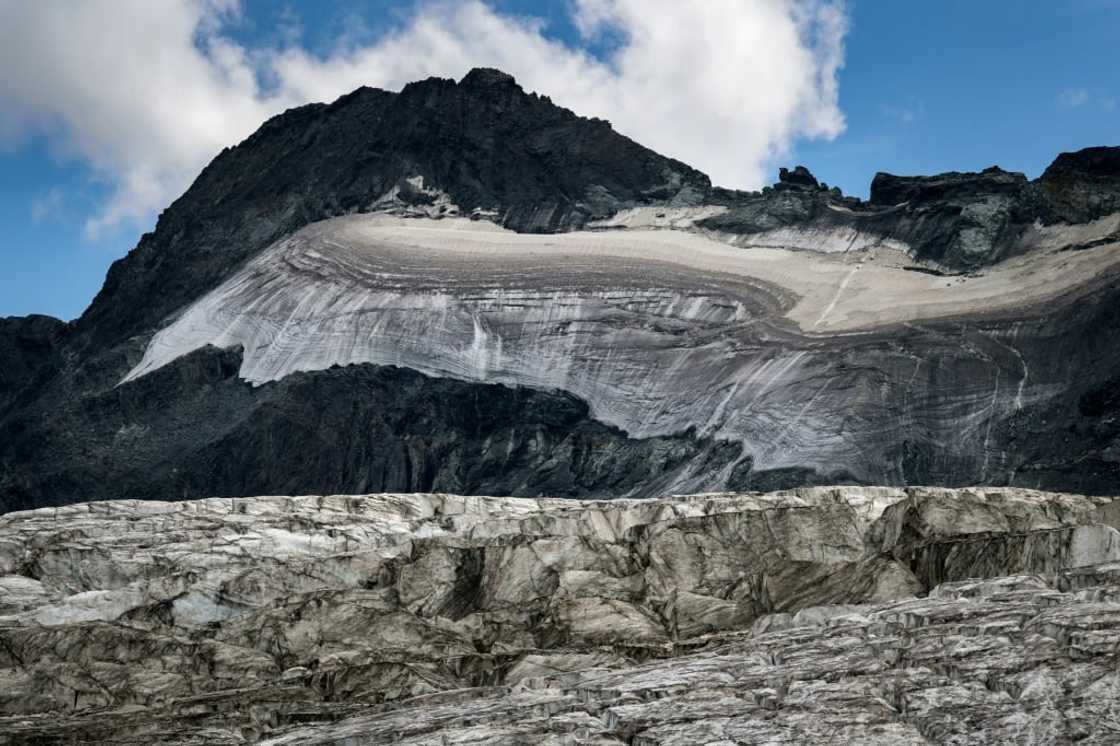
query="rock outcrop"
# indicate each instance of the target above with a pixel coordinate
(961, 221)
(868, 614)
(953, 221)
(29, 351)
(1081, 187)
(361, 427)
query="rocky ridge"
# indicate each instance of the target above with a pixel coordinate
(874, 615)
(955, 222)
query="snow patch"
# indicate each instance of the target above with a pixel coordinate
(678, 218)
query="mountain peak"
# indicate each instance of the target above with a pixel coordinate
(1101, 161)
(200, 369)
(798, 177)
(483, 142)
(488, 77)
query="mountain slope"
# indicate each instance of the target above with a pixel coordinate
(484, 142)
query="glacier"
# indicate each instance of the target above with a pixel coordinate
(661, 330)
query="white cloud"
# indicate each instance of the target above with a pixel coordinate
(46, 206)
(122, 86)
(1071, 98)
(1076, 98)
(146, 93)
(908, 113)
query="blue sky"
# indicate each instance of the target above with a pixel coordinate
(960, 86)
(924, 87)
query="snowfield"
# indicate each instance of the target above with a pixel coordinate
(659, 330)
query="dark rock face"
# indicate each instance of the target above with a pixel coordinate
(960, 221)
(1082, 186)
(799, 177)
(961, 188)
(194, 429)
(29, 348)
(956, 220)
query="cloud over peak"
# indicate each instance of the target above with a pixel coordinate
(147, 93)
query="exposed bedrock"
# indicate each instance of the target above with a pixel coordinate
(957, 221)
(195, 428)
(1082, 186)
(880, 615)
(953, 221)
(30, 351)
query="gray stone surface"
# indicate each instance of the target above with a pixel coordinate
(866, 615)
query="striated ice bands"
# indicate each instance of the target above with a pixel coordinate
(658, 330)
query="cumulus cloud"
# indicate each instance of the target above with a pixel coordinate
(1071, 98)
(46, 206)
(1078, 98)
(907, 114)
(146, 93)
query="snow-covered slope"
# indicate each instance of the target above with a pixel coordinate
(659, 331)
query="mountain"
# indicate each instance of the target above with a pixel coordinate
(465, 287)
(484, 141)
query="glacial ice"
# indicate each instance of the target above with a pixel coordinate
(659, 330)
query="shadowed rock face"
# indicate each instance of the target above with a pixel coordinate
(29, 349)
(635, 331)
(350, 429)
(1082, 186)
(878, 615)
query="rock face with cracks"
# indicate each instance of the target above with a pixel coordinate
(871, 615)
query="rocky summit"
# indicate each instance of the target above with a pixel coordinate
(868, 615)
